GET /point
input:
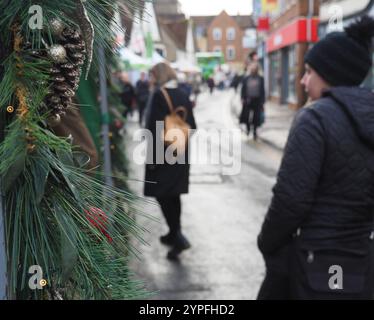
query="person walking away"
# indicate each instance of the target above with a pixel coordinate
(127, 95)
(236, 80)
(317, 236)
(169, 181)
(253, 99)
(211, 84)
(196, 82)
(183, 84)
(142, 95)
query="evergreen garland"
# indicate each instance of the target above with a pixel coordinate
(57, 215)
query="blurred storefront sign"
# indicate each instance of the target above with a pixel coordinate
(250, 39)
(263, 24)
(292, 33)
(257, 8)
(269, 7)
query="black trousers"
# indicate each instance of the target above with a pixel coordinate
(251, 115)
(141, 108)
(171, 209)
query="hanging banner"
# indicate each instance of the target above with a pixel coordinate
(257, 8)
(269, 7)
(263, 24)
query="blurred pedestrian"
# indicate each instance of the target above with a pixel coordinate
(127, 94)
(211, 84)
(253, 57)
(183, 84)
(168, 181)
(317, 237)
(236, 80)
(142, 95)
(253, 99)
(196, 83)
(219, 79)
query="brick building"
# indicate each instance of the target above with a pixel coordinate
(234, 36)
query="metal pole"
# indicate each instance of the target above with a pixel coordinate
(4, 294)
(3, 254)
(309, 21)
(105, 118)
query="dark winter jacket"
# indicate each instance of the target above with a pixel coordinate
(128, 95)
(247, 93)
(166, 179)
(142, 92)
(325, 185)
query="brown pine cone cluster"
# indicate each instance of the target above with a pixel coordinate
(65, 75)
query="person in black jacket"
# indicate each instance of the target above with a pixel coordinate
(253, 99)
(317, 237)
(127, 94)
(211, 84)
(168, 181)
(142, 95)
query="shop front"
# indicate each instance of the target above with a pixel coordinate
(286, 48)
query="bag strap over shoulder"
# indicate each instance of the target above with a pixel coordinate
(168, 100)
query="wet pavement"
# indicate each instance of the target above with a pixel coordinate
(221, 216)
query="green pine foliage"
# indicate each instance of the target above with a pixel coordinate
(58, 216)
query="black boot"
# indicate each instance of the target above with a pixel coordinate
(180, 244)
(167, 239)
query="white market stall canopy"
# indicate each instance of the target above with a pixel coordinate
(133, 59)
(185, 66)
(138, 62)
(157, 58)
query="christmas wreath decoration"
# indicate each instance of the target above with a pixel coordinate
(56, 215)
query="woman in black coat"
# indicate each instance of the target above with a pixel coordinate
(164, 181)
(317, 237)
(253, 99)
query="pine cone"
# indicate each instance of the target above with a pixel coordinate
(65, 76)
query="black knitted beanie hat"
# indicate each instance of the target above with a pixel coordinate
(344, 58)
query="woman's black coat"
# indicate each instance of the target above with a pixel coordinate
(260, 100)
(325, 185)
(166, 179)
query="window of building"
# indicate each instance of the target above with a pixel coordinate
(217, 49)
(249, 38)
(199, 32)
(230, 34)
(217, 34)
(230, 53)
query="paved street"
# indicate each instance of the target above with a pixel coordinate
(221, 216)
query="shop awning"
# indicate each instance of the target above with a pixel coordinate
(294, 32)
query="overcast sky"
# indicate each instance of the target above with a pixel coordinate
(214, 7)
